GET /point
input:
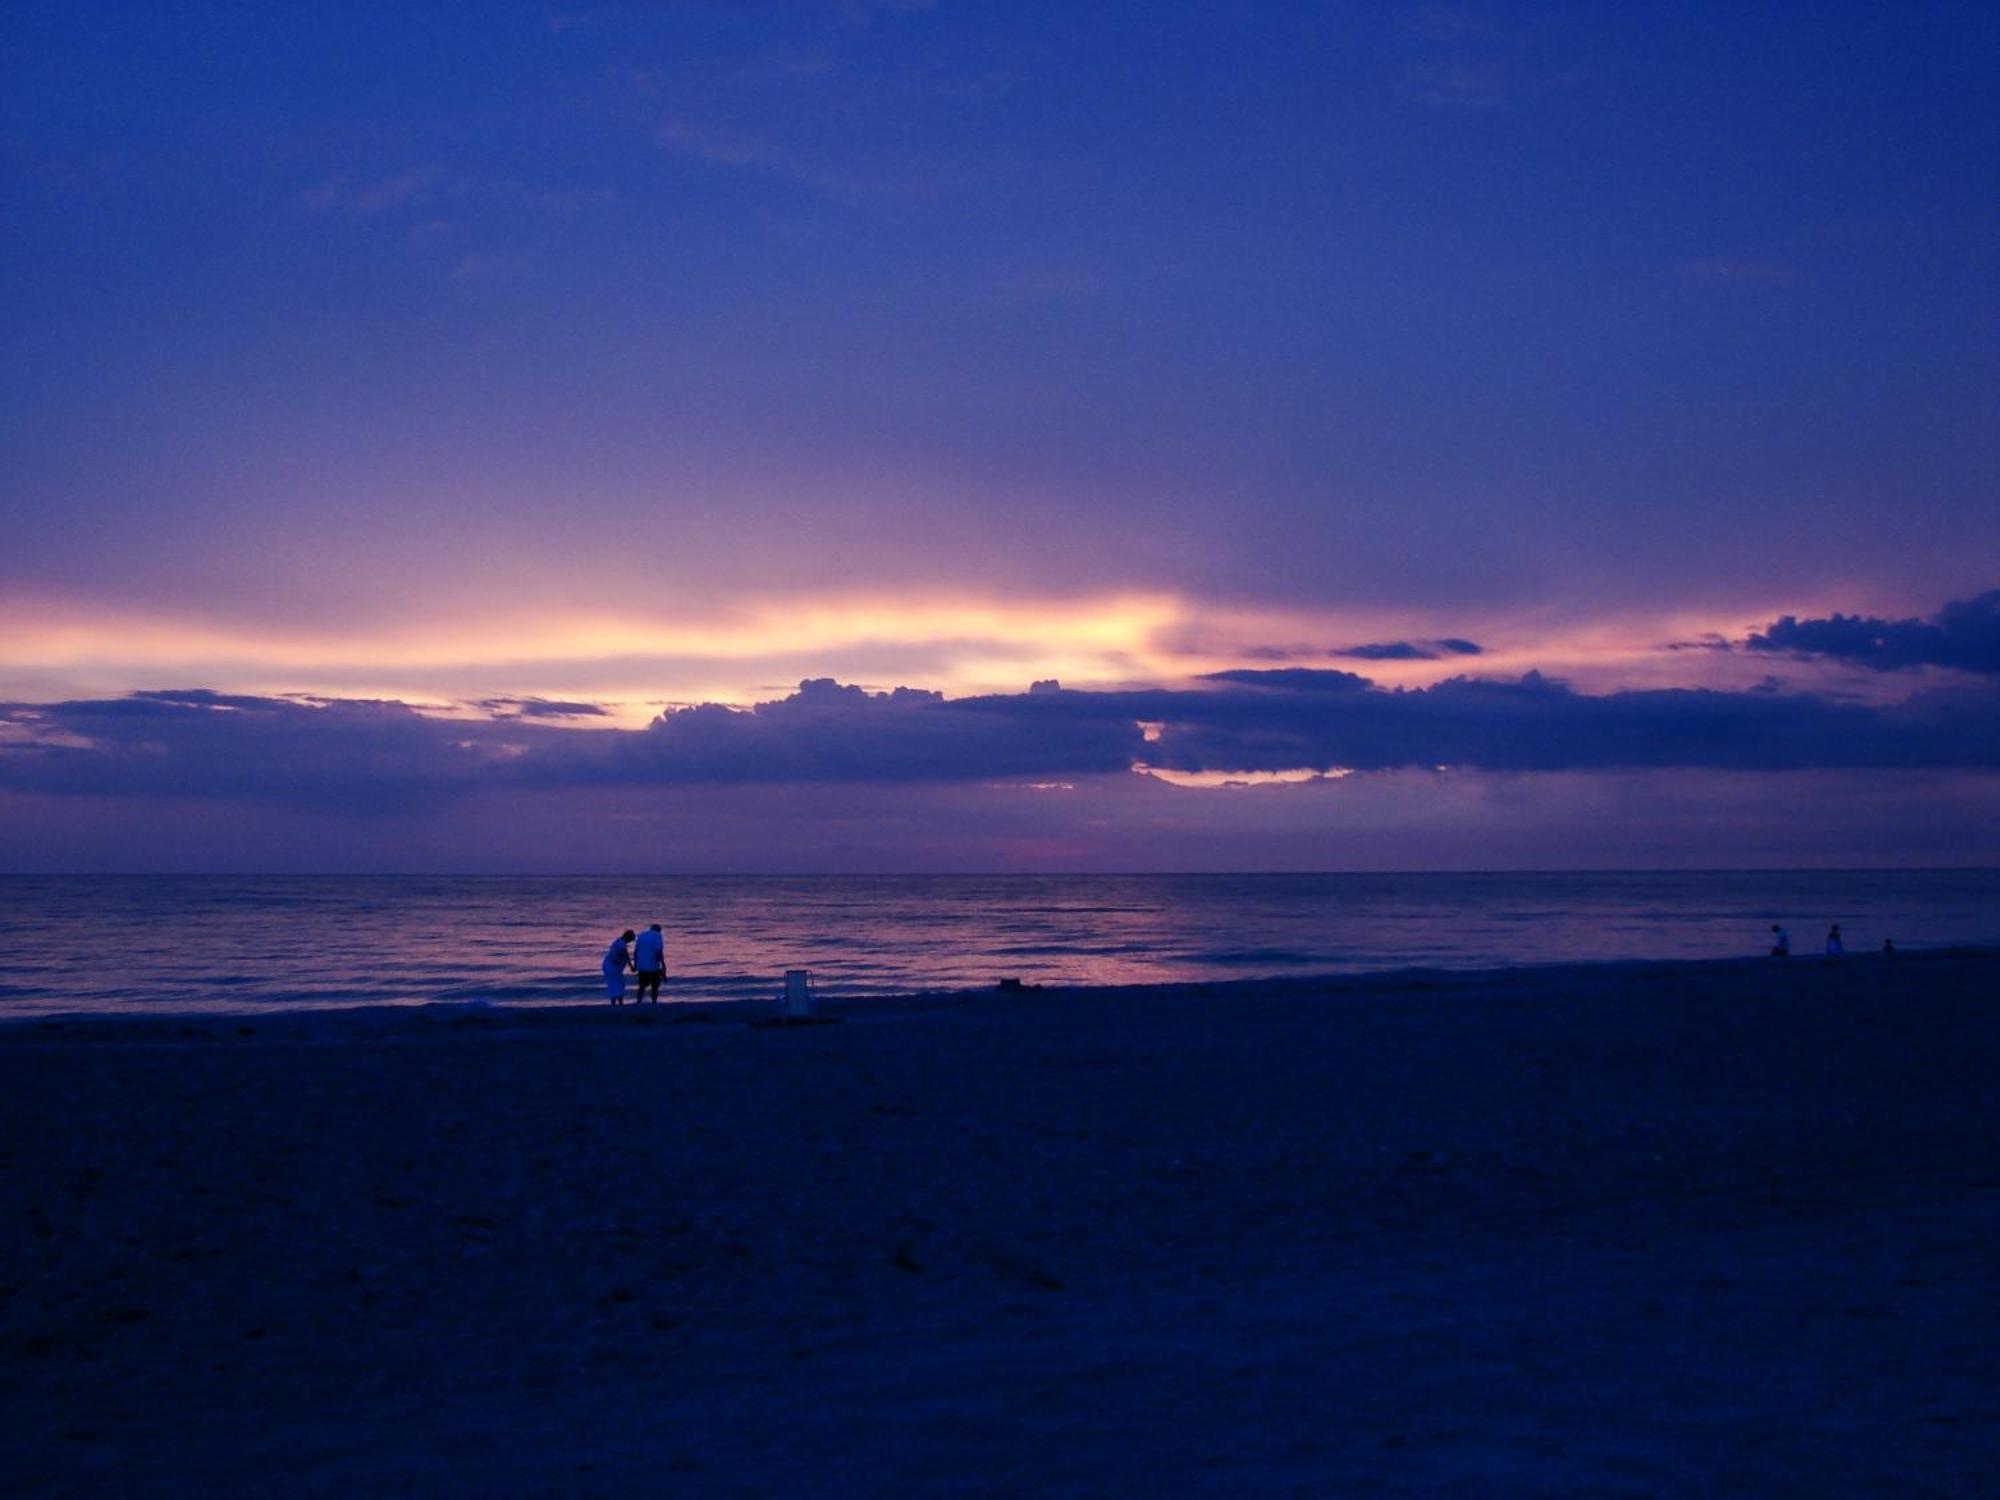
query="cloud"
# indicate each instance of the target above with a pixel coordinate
(1461, 58)
(1437, 650)
(427, 189)
(1963, 636)
(1410, 650)
(374, 756)
(1707, 641)
(346, 194)
(348, 754)
(1291, 679)
(539, 708)
(830, 732)
(1538, 724)
(723, 148)
(719, 146)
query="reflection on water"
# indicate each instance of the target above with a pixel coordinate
(90, 943)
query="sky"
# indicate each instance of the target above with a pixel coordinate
(885, 435)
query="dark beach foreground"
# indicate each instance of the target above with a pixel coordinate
(1632, 1230)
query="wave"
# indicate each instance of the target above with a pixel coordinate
(1269, 957)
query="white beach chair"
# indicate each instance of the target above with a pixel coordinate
(796, 1004)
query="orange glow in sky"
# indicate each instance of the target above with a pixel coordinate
(636, 664)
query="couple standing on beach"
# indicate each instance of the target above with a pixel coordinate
(645, 956)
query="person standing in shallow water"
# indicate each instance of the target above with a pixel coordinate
(649, 960)
(617, 959)
(1833, 944)
(1781, 942)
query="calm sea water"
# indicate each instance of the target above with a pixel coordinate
(91, 943)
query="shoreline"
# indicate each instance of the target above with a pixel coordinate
(1340, 984)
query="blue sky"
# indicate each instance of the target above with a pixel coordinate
(647, 355)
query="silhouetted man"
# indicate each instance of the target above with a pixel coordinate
(649, 959)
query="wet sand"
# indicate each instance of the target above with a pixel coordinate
(1620, 1230)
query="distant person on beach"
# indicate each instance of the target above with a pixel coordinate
(1781, 942)
(617, 959)
(649, 959)
(1888, 945)
(1833, 947)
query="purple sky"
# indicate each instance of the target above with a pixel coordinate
(464, 393)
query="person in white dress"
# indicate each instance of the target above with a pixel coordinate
(617, 959)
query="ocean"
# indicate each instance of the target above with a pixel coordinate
(206, 943)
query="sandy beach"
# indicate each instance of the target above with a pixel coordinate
(1698, 1229)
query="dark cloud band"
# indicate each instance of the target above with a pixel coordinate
(376, 756)
(1964, 636)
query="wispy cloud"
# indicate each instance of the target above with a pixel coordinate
(540, 708)
(1438, 650)
(348, 193)
(1461, 57)
(473, 228)
(724, 148)
(1708, 641)
(426, 189)
(719, 146)
(1443, 649)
